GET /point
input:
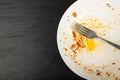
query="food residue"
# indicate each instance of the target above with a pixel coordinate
(74, 14)
(74, 51)
(72, 46)
(113, 63)
(116, 78)
(108, 5)
(82, 42)
(79, 42)
(90, 44)
(65, 49)
(107, 73)
(92, 23)
(90, 70)
(74, 34)
(115, 49)
(98, 73)
(119, 69)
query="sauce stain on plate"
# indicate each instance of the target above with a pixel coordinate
(90, 43)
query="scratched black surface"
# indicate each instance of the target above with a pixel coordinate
(28, 49)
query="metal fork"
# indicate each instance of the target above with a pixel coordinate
(90, 33)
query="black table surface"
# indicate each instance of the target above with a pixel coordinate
(28, 46)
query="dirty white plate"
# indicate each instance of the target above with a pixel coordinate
(92, 59)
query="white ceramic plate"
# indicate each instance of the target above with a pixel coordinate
(91, 59)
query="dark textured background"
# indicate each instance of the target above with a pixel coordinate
(28, 48)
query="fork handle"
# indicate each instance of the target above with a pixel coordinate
(111, 43)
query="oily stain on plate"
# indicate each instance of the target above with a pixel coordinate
(90, 44)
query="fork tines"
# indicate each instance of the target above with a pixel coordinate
(76, 26)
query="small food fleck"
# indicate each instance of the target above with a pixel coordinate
(98, 73)
(75, 61)
(115, 49)
(119, 69)
(108, 5)
(72, 46)
(65, 49)
(107, 73)
(73, 33)
(104, 34)
(113, 63)
(85, 68)
(65, 54)
(116, 78)
(90, 70)
(79, 64)
(74, 51)
(74, 14)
